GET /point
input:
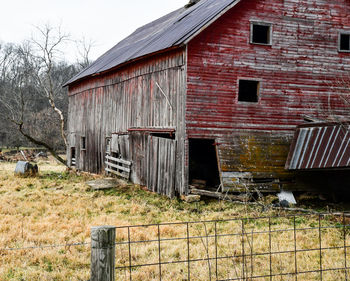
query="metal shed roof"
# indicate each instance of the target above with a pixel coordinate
(320, 146)
(174, 29)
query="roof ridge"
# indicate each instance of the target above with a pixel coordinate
(173, 29)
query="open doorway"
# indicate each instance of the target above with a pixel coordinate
(203, 164)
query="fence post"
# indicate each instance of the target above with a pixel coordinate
(103, 253)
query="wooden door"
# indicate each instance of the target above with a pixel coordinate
(161, 165)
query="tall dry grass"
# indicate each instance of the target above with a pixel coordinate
(58, 208)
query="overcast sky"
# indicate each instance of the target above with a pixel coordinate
(105, 22)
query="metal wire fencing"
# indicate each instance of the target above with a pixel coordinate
(42, 247)
(300, 247)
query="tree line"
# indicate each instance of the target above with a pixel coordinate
(33, 103)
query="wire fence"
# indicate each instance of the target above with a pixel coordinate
(300, 247)
(68, 245)
(296, 247)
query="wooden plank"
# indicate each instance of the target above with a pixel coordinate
(165, 182)
(173, 165)
(155, 164)
(118, 167)
(168, 185)
(117, 173)
(148, 171)
(119, 160)
(243, 198)
(160, 175)
(114, 143)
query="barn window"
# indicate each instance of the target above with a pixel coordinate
(72, 156)
(344, 41)
(83, 143)
(248, 90)
(260, 33)
(170, 136)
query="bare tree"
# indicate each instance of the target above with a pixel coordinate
(84, 47)
(46, 51)
(18, 92)
(31, 79)
(31, 93)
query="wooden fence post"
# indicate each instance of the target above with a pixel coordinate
(103, 253)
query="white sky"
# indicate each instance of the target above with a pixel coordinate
(106, 22)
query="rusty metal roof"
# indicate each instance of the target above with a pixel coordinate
(320, 146)
(174, 29)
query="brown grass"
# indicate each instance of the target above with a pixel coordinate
(58, 208)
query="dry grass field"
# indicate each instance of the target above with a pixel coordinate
(57, 207)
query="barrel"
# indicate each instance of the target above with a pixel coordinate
(26, 168)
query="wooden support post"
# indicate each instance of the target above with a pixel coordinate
(103, 253)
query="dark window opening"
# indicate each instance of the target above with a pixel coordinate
(344, 42)
(164, 135)
(72, 156)
(248, 90)
(262, 180)
(83, 143)
(261, 34)
(203, 164)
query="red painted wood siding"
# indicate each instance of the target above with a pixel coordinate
(298, 73)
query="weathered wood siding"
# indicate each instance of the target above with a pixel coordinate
(298, 76)
(161, 165)
(146, 94)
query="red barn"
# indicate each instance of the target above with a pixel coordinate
(211, 95)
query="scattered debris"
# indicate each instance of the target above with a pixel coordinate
(29, 155)
(308, 196)
(284, 204)
(200, 184)
(286, 196)
(191, 198)
(24, 156)
(106, 183)
(41, 154)
(2, 157)
(243, 197)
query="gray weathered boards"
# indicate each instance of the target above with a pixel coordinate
(161, 165)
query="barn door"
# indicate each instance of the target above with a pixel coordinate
(161, 165)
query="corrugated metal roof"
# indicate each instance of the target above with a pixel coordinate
(171, 30)
(320, 146)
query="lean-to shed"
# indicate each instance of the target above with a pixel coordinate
(210, 94)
